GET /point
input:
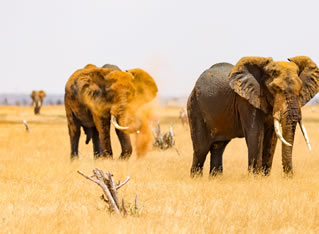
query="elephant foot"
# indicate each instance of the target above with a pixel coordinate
(216, 172)
(288, 173)
(74, 157)
(266, 170)
(255, 170)
(125, 156)
(196, 172)
(104, 155)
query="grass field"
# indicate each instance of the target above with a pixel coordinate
(40, 191)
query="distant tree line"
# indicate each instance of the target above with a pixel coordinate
(25, 101)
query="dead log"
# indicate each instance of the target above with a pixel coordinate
(106, 182)
(165, 141)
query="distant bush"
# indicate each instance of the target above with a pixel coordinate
(24, 102)
(5, 101)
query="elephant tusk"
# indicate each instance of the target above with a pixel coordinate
(116, 125)
(304, 133)
(278, 133)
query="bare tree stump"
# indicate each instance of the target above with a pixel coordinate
(106, 182)
(165, 141)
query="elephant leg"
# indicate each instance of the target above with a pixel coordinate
(199, 157)
(216, 157)
(270, 141)
(126, 145)
(254, 140)
(102, 125)
(96, 142)
(74, 133)
(252, 121)
(201, 138)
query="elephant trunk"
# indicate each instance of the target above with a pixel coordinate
(278, 133)
(37, 108)
(289, 129)
(290, 118)
(116, 125)
(118, 116)
(124, 119)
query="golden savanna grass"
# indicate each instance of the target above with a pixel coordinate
(40, 191)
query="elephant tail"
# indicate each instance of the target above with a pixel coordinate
(88, 133)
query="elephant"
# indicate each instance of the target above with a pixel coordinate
(252, 99)
(37, 100)
(96, 97)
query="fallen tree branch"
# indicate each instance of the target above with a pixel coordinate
(105, 189)
(113, 189)
(106, 182)
(120, 185)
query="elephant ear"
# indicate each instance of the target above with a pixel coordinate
(246, 77)
(42, 94)
(145, 86)
(33, 94)
(309, 74)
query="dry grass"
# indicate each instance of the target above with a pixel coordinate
(42, 193)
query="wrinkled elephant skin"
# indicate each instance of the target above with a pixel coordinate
(251, 99)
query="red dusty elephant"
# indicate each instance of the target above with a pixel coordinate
(96, 97)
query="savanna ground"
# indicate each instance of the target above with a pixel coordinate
(41, 192)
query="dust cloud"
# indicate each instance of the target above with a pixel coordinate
(147, 114)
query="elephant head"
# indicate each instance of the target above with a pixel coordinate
(37, 100)
(144, 90)
(120, 93)
(279, 89)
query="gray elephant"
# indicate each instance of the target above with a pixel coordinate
(37, 100)
(252, 99)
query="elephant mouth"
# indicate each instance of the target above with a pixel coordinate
(116, 125)
(279, 134)
(133, 129)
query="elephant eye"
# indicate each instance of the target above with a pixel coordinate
(275, 88)
(274, 73)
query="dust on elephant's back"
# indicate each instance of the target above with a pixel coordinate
(96, 97)
(145, 88)
(144, 137)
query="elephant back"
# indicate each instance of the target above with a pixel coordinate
(111, 66)
(214, 79)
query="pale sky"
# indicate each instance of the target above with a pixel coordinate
(44, 42)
